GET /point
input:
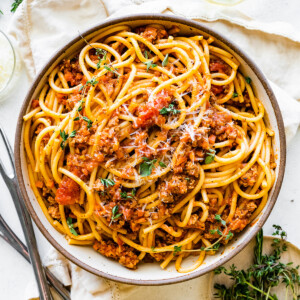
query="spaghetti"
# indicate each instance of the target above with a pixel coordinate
(149, 146)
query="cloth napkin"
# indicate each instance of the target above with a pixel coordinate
(265, 30)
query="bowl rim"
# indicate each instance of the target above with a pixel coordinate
(282, 150)
(13, 51)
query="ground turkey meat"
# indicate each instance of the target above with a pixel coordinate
(53, 211)
(250, 177)
(122, 253)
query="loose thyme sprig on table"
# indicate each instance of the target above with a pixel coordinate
(266, 272)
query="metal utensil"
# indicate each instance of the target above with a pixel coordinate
(12, 184)
(10, 237)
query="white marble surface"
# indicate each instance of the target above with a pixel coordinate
(15, 272)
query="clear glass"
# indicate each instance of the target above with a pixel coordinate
(8, 55)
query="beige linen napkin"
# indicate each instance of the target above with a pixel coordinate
(260, 27)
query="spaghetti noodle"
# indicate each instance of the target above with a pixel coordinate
(149, 146)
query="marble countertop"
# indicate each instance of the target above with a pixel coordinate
(16, 272)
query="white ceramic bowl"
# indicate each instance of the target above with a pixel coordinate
(151, 273)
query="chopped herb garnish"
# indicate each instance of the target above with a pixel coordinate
(146, 54)
(177, 249)
(218, 231)
(218, 218)
(147, 166)
(124, 195)
(77, 119)
(210, 156)
(92, 82)
(73, 133)
(133, 192)
(89, 122)
(113, 70)
(168, 110)
(80, 106)
(71, 226)
(165, 61)
(248, 80)
(114, 211)
(186, 178)
(107, 182)
(100, 52)
(150, 64)
(64, 137)
(153, 249)
(1, 12)
(266, 272)
(163, 165)
(235, 94)
(15, 5)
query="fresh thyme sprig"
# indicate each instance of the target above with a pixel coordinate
(15, 5)
(266, 272)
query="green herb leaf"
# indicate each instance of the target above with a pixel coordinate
(107, 182)
(163, 165)
(228, 235)
(150, 64)
(133, 192)
(73, 133)
(186, 178)
(266, 272)
(165, 61)
(111, 70)
(124, 195)
(235, 94)
(101, 53)
(146, 54)
(15, 5)
(147, 166)
(71, 226)
(89, 122)
(76, 119)
(153, 249)
(210, 156)
(177, 249)
(248, 80)
(114, 213)
(218, 218)
(168, 110)
(64, 137)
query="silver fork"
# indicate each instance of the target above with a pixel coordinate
(25, 220)
(10, 237)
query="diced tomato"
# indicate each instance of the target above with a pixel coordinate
(150, 112)
(68, 191)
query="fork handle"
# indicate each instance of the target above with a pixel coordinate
(11, 238)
